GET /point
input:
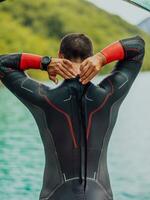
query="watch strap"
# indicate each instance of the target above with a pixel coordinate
(45, 65)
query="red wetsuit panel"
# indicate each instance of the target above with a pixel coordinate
(30, 61)
(113, 52)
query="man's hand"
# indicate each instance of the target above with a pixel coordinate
(91, 67)
(62, 67)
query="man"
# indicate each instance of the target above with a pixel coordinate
(76, 118)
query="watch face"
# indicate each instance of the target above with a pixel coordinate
(46, 60)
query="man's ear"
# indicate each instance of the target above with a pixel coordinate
(60, 55)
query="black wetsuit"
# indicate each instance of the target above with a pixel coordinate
(75, 123)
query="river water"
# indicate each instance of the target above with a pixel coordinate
(22, 154)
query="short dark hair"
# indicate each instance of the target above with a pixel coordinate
(76, 45)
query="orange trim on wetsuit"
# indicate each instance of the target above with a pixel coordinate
(113, 52)
(30, 61)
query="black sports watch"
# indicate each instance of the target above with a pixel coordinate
(46, 60)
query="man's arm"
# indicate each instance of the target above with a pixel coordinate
(12, 75)
(129, 53)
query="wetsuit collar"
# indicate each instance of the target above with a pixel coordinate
(75, 83)
(73, 79)
(76, 79)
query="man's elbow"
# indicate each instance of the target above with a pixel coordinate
(137, 49)
(10, 60)
(134, 48)
(140, 45)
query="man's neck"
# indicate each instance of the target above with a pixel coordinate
(76, 66)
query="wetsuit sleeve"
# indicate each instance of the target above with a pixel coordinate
(130, 53)
(12, 75)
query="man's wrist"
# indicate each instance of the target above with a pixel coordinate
(45, 62)
(101, 58)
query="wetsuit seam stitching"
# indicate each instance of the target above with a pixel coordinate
(99, 108)
(58, 166)
(22, 85)
(124, 75)
(65, 114)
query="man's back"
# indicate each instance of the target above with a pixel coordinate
(76, 121)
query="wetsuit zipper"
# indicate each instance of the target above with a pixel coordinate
(80, 100)
(83, 144)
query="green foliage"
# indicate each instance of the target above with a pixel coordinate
(37, 26)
